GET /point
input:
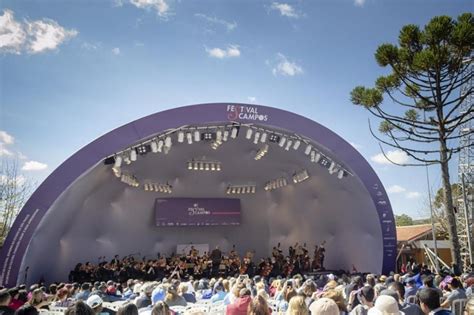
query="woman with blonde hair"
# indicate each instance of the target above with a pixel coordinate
(297, 306)
(258, 306)
(337, 297)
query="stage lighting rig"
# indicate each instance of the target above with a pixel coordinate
(262, 152)
(274, 138)
(143, 149)
(196, 165)
(300, 176)
(241, 189)
(276, 183)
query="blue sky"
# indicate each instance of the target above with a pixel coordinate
(73, 70)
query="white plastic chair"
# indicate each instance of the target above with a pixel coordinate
(178, 309)
(458, 306)
(411, 299)
(217, 309)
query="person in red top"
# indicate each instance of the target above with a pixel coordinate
(15, 303)
(239, 307)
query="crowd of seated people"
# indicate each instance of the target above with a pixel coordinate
(298, 261)
(415, 292)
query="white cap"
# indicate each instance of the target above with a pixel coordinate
(94, 301)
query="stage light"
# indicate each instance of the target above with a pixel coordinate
(118, 161)
(317, 157)
(213, 166)
(143, 149)
(196, 166)
(225, 137)
(206, 167)
(262, 152)
(117, 171)
(133, 155)
(160, 145)
(288, 145)
(216, 144)
(218, 167)
(234, 132)
(197, 136)
(313, 156)
(241, 189)
(341, 174)
(300, 176)
(248, 135)
(219, 135)
(276, 183)
(129, 180)
(154, 147)
(333, 168)
(126, 159)
(208, 136)
(281, 143)
(146, 187)
(190, 165)
(257, 137)
(189, 136)
(168, 142)
(296, 145)
(201, 166)
(307, 151)
(274, 138)
(180, 137)
(263, 138)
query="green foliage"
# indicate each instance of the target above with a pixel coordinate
(385, 126)
(403, 220)
(411, 114)
(366, 97)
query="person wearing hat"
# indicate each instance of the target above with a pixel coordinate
(366, 299)
(95, 302)
(324, 306)
(172, 297)
(396, 291)
(429, 302)
(385, 305)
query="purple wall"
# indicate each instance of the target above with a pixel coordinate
(16, 244)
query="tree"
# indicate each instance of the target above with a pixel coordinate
(14, 191)
(426, 70)
(403, 220)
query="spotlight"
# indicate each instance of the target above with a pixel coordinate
(333, 168)
(219, 136)
(126, 159)
(117, 171)
(262, 152)
(146, 187)
(288, 145)
(225, 136)
(263, 138)
(160, 145)
(308, 149)
(234, 132)
(203, 166)
(190, 165)
(248, 135)
(296, 145)
(213, 166)
(143, 149)
(216, 144)
(189, 136)
(341, 174)
(168, 142)
(218, 167)
(154, 147)
(241, 189)
(133, 155)
(276, 183)
(324, 162)
(313, 156)
(300, 176)
(196, 166)
(274, 138)
(197, 136)
(281, 143)
(118, 161)
(257, 137)
(180, 137)
(208, 136)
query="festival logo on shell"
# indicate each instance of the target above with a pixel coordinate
(196, 210)
(242, 112)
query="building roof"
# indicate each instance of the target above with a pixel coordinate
(412, 232)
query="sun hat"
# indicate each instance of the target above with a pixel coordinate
(385, 305)
(324, 306)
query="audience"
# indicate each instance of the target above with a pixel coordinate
(5, 300)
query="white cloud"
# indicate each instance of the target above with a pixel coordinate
(252, 99)
(396, 156)
(20, 179)
(395, 189)
(31, 37)
(413, 195)
(230, 51)
(359, 3)
(5, 137)
(21, 156)
(116, 51)
(4, 151)
(214, 20)
(286, 67)
(160, 6)
(34, 166)
(90, 46)
(12, 35)
(47, 35)
(285, 9)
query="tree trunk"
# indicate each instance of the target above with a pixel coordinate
(449, 207)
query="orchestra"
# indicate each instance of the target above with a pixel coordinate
(192, 264)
